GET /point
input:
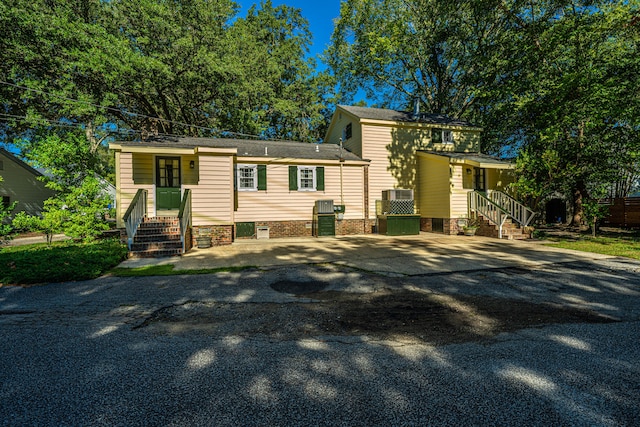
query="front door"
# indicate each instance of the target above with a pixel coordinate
(167, 183)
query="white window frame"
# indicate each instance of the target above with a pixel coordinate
(313, 177)
(447, 137)
(254, 169)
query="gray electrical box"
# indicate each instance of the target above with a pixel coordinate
(324, 206)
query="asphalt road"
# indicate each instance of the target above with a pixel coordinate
(82, 354)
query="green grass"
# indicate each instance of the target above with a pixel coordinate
(60, 262)
(168, 270)
(628, 247)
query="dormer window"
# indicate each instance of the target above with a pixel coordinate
(347, 132)
(447, 137)
(441, 136)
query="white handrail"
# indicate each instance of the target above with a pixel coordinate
(135, 215)
(519, 212)
(479, 204)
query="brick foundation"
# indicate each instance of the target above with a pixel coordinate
(220, 234)
(449, 225)
(354, 226)
(281, 229)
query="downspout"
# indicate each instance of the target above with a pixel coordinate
(341, 179)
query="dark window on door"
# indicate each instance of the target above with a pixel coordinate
(480, 179)
(168, 172)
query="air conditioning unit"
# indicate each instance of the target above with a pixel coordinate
(397, 194)
(324, 206)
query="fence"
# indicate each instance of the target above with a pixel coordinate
(623, 212)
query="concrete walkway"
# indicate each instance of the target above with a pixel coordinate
(427, 253)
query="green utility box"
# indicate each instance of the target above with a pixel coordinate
(245, 229)
(399, 225)
(324, 225)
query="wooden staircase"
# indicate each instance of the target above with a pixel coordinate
(510, 230)
(157, 237)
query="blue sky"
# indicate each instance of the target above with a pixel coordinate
(320, 15)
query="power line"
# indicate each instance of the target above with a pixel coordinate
(57, 123)
(117, 110)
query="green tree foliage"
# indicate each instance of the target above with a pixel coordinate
(78, 213)
(188, 67)
(398, 50)
(568, 101)
(554, 82)
(5, 214)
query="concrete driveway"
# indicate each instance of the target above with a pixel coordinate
(202, 350)
(427, 253)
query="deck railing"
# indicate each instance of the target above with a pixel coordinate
(479, 204)
(519, 212)
(135, 214)
(184, 216)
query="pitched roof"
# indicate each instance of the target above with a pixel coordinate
(252, 148)
(483, 159)
(404, 116)
(20, 163)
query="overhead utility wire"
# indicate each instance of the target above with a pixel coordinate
(6, 118)
(42, 92)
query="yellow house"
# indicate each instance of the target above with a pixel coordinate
(228, 188)
(21, 183)
(435, 156)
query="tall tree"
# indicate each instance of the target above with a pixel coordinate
(188, 67)
(567, 99)
(552, 81)
(398, 50)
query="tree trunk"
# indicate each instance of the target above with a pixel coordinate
(579, 194)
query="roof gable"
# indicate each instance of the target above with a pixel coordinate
(404, 116)
(6, 154)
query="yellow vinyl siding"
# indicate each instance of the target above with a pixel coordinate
(189, 176)
(376, 139)
(22, 185)
(133, 172)
(143, 168)
(458, 192)
(466, 141)
(340, 121)
(212, 196)
(277, 203)
(435, 187)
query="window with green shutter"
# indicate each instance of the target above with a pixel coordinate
(320, 178)
(262, 177)
(306, 178)
(251, 177)
(293, 178)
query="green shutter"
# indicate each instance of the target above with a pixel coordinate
(235, 187)
(262, 177)
(293, 178)
(320, 178)
(235, 177)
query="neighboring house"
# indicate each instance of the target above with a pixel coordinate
(229, 188)
(238, 186)
(21, 183)
(435, 156)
